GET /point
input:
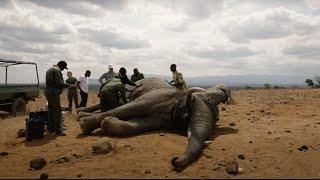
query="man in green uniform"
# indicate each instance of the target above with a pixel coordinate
(54, 87)
(72, 90)
(136, 75)
(177, 78)
(109, 94)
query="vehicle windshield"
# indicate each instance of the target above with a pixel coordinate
(22, 74)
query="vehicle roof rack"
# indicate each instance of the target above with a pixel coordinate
(6, 63)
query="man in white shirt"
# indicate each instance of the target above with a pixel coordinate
(83, 84)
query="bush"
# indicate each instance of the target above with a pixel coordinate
(267, 86)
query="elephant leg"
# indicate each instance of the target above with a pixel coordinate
(92, 108)
(115, 127)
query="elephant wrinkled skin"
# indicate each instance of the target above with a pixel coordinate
(193, 112)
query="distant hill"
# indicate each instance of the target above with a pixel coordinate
(238, 80)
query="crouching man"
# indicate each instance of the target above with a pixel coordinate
(110, 93)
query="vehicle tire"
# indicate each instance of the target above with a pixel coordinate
(18, 106)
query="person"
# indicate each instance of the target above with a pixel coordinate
(83, 84)
(177, 78)
(136, 76)
(109, 94)
(108, 75)
(72, 91)
(124, 78)
(54, 87)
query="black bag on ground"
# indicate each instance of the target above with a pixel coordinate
(35, 125)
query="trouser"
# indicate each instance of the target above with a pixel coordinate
(108, 100)
(54, 110)
(84, 98)
(72, 96)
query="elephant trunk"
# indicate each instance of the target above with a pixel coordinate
(201, 125)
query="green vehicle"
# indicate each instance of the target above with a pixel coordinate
(14, 97)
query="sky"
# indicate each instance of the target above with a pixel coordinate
(203, 37)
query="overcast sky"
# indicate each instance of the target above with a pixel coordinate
(203, 37)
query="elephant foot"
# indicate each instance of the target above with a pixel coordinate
(179, 163)
(115, 127)
(88, 124)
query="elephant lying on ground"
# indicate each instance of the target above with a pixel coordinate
(193, 112)
(148, 85)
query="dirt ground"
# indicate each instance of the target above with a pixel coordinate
(267, 127)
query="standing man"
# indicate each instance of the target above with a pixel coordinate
(136, 75)
(83, 85)
(54, 87)
(177, 78)
(72, 83)
(108, 75)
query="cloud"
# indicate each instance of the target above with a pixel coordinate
(220, 53)
(304, 51)
(112, 39)
(83, 7)
(270, 24)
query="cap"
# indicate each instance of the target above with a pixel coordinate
(63, 64)
(110, 67)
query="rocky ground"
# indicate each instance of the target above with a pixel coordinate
(267, 133)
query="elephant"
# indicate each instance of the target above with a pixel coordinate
(192, 112)
(147, 85)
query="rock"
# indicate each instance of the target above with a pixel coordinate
(161, 134)
(44, 176)
(79, 175)
(241, 156)
(232, 124)
(22, 133)
(262, 111)
(222, 163)
(288, 131)
(290, 149)
(240, 170)
(37, 163)
(269, 132)
(303, 148)
(223, 109)
(102, 147)
(250, 142)
(223, 149)
(147, 172)
(232, 168)
(2, 154)
(63, 159)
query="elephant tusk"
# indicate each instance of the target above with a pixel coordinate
(192, 90)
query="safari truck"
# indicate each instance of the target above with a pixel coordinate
(14, 96)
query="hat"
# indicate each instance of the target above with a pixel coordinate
(110, 67)
(63, 65)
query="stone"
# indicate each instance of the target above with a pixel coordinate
(241, 156)
(287, 131)
(223, 109)
(222, 163)
(147, 172)
(269, 132)
(63, 159)
(2, 154)
(79, 175)
(232, 167)
(161, 134)
(37, 163)
(303, 148)
(250, 142)
(44, 176)
(22, 133)
(240, 170)
(232, 124)
(102, 147)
